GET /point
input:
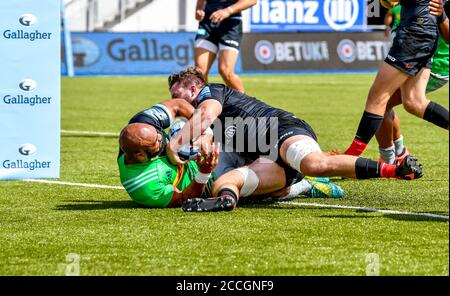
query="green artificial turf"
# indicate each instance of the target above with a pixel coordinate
(41, 223)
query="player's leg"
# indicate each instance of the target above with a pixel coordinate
(230, 35)
(227, 62)
(303, 153)
(388, 134)
(261, 177)
(387, 82)
(204, 57)
(415, 102)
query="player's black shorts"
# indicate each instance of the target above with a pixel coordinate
(288, 128)
(227, 33)
(413, 49)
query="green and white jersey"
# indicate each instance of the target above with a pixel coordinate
(152, 183)
(440, 58)
(396, 13)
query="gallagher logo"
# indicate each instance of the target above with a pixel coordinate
(85, 52)
(27, 149)
(346, 50)
(264, 52)
(28, 84)
(27, 20)
(341, 14)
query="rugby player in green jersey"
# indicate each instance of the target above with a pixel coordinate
(152, 181)
(390, 140)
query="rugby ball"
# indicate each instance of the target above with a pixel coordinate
(186, 152)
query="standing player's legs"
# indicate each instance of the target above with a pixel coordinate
(304, 154)
(388, 136)
(204, 56)
(227, 61)
(387, 82)
(415, 102)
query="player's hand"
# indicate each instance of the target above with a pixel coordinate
(172, 154)
(209, 157)
(436, 7)
(199, 14)
(220, 15)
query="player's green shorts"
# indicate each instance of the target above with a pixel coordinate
(436, 81)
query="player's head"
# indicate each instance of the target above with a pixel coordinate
(186, 84)
(141, 142)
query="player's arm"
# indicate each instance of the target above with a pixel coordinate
(179, 107)
(161, 115)
(200, 10)
(202, 118)
(437, 9)
(387, 22)
(206, 165)
(239, 6)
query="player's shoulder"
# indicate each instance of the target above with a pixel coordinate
(211, 91)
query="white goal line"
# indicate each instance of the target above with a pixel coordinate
(300, 204)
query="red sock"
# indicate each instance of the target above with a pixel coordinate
(387, 170)
(356, 148)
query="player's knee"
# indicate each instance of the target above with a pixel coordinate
(316, 167)
(226, 72)
(414, 106)
(302, 152)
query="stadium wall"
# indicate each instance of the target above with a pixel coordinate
(98, 53)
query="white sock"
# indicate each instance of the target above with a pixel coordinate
(399, 146)
(299, 188)
(388, 154)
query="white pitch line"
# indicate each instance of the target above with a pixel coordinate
(302, 204)
(364, 209)
(90, 133)
(74, 184)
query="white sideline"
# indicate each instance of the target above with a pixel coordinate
(363, 209)
(90, 133)
(302, 204)
(74, 184)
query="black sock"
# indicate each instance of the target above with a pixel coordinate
(368, 126)
(367, 169)
(229, 192)
(437, 115)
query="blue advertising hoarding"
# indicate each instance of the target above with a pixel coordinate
(98, 53)
(29, 89)
(308, 15)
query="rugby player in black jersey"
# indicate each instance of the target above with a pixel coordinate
(220, 33)
(406, 67)
(294, 148)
